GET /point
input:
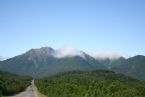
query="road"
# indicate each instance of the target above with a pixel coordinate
(29, 92)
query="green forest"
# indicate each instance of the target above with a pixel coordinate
(11, 84)
(97, 83)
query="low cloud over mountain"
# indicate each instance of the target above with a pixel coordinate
(2, 58)
(68, 52)
(104, 55)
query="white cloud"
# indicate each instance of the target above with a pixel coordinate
(68, 51)
(2, 58)
(104, 55)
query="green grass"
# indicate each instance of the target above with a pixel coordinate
(40, 94)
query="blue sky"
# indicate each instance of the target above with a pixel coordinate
(89, 25)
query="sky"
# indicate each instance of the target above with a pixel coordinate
(89, 25)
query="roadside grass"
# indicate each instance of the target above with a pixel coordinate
(40, 94)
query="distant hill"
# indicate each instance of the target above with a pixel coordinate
(47, 61)
(91, 84)
(134, 66)
(111, 63)
(11, 84)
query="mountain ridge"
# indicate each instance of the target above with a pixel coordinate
(42, 62)
(133, 66)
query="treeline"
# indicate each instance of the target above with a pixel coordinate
(91, 84)
(11, 84)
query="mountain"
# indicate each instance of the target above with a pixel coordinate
(96, 83)
(134, 66)
(107, 62)
(118, 62)
(47, 61)
(111, 63)
(108, 59)
(11, 84)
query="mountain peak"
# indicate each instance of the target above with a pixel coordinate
(139, 56)
(40, 53)
(43, 50)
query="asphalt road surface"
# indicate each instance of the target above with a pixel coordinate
(29, 92)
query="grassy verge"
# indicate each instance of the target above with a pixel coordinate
(40, 94)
